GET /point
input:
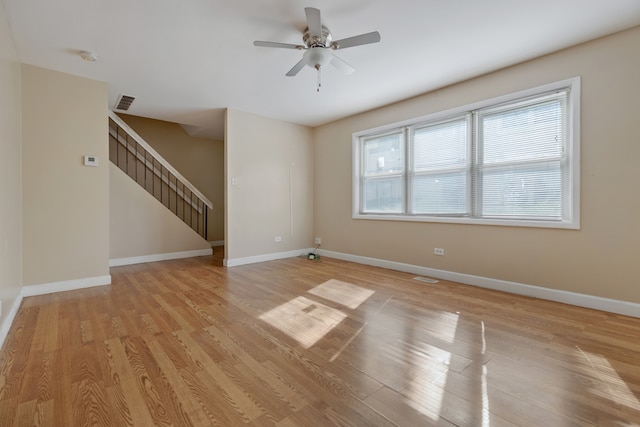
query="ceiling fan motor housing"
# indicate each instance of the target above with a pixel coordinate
(323, 41)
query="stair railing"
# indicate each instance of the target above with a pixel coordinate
(133, 155)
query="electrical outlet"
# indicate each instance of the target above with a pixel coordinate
(317, 240)
(278, 239)
(438, 251)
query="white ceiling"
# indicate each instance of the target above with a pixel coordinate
(185, 61)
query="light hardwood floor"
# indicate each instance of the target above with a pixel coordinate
(312, 343)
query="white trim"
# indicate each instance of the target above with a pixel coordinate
(158, 257)
(581, 300)
(262, 258)
(576, 143)
(216, 243)
(66, 285)
(567, 225)
(8, 321)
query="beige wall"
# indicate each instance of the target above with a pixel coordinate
(65, 204)
(272, 163)
(200, 160)
(140, 225)
(601, 259)
(10, 172)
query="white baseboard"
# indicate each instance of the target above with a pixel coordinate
(216, 242)
(47, 288)
(158, 257)
(262, 258)
(8, 321)
(582, 300)
(67, 285)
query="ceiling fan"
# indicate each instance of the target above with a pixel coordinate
(318, 44)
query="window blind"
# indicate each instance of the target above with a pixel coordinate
(383, 173)
(521, 159)
(440, 159)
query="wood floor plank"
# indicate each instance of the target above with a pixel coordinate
(482, 396)
(149, 306)
(119, 410)
(394, 406)
(175, 315)
(147, 388)
(277, 385)
(90, 404)
(62, 388)
(8, 409)
(26, 414)
(15, 355)
(203, 388)
(186, 408)
(124, 375)
(298, 342)
(240, 400)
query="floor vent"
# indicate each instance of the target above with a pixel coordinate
(124, 102)
(426, 279)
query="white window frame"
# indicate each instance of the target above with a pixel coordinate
(571, 219)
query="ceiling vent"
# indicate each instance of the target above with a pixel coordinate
(124, 102)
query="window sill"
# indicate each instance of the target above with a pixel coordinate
(569, 225)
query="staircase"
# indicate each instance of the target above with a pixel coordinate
(143, 164)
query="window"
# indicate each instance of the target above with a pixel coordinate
(383, 173)
(513, 160)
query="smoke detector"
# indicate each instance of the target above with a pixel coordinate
(88, 56)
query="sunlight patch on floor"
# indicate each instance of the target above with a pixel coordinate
(486, 417)
(425, 397)
(443, 325)
(304, 320)
(307, 321)
(342, 292)
(429, 360)
(609, 386)
(428, 394)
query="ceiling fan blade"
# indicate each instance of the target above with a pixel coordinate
(373, 37)
(296, 68)
(342, 65)
(280, 45)
(313, 22)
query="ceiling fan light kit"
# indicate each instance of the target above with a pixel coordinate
(318, 46)
(317, 57)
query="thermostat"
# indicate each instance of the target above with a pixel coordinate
(90, 160)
